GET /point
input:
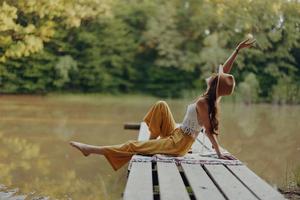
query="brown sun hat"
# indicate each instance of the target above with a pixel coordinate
(225, 84)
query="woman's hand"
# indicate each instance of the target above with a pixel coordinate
(226, 157)
(246, 44)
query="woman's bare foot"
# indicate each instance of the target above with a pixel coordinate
(81, 147)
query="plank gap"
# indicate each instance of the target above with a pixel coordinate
(186, 183)
(171, 185)
(137, 188)
(156, 195)
(215, 182)
(242, 182)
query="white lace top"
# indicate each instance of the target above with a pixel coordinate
(190, 124)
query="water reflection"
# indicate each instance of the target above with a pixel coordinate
(36, 158)
(265, 137)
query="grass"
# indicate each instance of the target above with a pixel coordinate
(297, 176)
(292, 189)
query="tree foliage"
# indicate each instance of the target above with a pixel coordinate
(26, 24)
(158, 47)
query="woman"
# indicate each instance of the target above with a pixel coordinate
(176, 141)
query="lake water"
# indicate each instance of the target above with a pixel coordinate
(37, 162)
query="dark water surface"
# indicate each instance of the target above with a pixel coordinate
(36, 160)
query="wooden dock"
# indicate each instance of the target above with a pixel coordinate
(198, 175)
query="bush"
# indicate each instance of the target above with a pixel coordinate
(248, 89)
(286, 91)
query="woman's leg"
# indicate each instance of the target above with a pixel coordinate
(119, 155)
(87, 149)
(160, 120)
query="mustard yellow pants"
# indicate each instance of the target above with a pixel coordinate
(161, 123)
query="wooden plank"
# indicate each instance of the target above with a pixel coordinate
(205, 145)
(202, 185)
(198, 147)
(262, 189)
(204, 141)
(144, 133)
(171, 185)
(229, 184)
(139, 183)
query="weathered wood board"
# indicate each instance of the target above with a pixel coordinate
(139, 184)
(206, 177)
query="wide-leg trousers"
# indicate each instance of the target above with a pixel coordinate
(172, 140)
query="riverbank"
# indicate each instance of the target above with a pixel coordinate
(292, 191)
(293, 194)
(187, 96)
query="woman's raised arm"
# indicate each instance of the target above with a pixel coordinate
(244, 44)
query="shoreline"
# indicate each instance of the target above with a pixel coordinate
(70, 95)
(292, 194)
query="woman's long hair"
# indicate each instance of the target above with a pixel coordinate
(211, 97)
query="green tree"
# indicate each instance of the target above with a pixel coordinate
(286, 91)
(145, 46)
(249, 88)
(25, 25)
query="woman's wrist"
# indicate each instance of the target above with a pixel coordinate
(237, 49)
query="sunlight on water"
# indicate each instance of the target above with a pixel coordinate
(36, 161)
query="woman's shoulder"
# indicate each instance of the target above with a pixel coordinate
(202, 106)
(201, 103)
